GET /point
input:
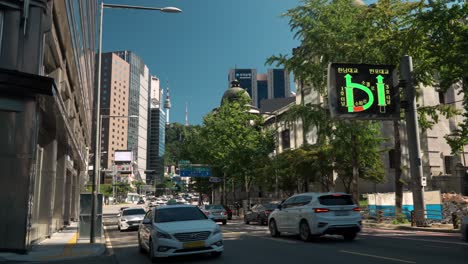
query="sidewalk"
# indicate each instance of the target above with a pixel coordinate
(441, 228)
(61, 246)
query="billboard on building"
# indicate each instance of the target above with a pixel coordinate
(123, 155)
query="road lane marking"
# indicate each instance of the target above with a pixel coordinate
(419, 239)
(375, 256)
(67, 250)
(108, 243)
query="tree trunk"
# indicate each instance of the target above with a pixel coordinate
(355, 180)
(397, 164)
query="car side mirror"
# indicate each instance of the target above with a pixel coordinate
(146, 221)
(280, 207)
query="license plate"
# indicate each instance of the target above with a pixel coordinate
(195, 244)
(341, 213)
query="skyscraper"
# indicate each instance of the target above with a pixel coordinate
(247, 79)
(260, 86)
(114, 102)
(278, 83)
(156, 136)
(137, 105)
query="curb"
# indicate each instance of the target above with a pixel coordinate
(410, 228)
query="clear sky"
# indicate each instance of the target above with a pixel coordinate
(194, 50)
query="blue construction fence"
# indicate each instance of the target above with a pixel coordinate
(433, 211)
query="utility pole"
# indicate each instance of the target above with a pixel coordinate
(406, 68)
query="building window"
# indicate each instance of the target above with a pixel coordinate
(285, 139)
(391, 159)
(441, 98)
(448, 161)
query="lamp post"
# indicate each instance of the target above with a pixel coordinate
(97, 104)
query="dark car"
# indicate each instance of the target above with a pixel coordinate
(228, 211)
(259, 213)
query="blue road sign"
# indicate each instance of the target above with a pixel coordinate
(195, 171)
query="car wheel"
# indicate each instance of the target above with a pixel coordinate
(304, 231)
(224, 222)
(349, 236)
(216, 254)
(152, 257)
(273, 229)
(246, 221)
(140, 246)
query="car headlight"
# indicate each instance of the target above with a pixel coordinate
(160, 234)
(216, 231)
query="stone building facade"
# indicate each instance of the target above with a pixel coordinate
(47, 58)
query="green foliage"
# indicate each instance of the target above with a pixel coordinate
(400, 219)
(365, 147)
(106, 189)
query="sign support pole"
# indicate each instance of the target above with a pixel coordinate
(414, 146)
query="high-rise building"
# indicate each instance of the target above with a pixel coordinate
(247, 79)
(278, 83)
(274, 84)
(156, 135)
(262, 88)
(114, 107)
(138, 106)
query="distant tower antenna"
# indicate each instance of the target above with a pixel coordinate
(186, 114)
(167, 104)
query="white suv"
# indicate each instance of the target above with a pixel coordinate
(314, 214)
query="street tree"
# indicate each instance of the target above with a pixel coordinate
(234, 141)
(381, 33)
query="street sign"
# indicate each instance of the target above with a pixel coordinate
(215, 179)
(363, 91)
(195, 170)
(184, 162)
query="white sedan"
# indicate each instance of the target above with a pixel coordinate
(174, 230)
(464, 228)
(130, 218)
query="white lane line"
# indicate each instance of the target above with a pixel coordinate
(435, 246)
(375, 256)
(424, 240)
(108, 242)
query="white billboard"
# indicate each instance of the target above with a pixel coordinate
(123, 156)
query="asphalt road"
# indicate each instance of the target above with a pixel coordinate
(253, 244)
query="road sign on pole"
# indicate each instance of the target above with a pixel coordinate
(363, 91)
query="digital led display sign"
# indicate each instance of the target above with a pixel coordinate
(363, 91)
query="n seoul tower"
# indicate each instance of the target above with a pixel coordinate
(167, 105)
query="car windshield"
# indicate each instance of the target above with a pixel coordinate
(336, 199)
(214, 207)
(270, 206)
(178, 214)
(134, 212)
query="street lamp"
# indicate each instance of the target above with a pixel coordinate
(97, 106)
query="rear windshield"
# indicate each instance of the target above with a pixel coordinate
(270, 206)
(134, 212)
(337, 199)
(178, 214)
(214, 207)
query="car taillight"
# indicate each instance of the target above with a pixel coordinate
(224, 213)
(357, 209)
(321, 210)
(267, 212)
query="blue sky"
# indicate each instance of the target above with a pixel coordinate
(195, 49)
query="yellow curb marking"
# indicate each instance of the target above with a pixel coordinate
(375, 256)
(67, 251)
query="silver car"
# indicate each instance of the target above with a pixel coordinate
(130, 218)
(464, 228)
(216, 212)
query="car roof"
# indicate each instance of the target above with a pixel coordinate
(175, 206)
(133, 208)
(320, 193)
